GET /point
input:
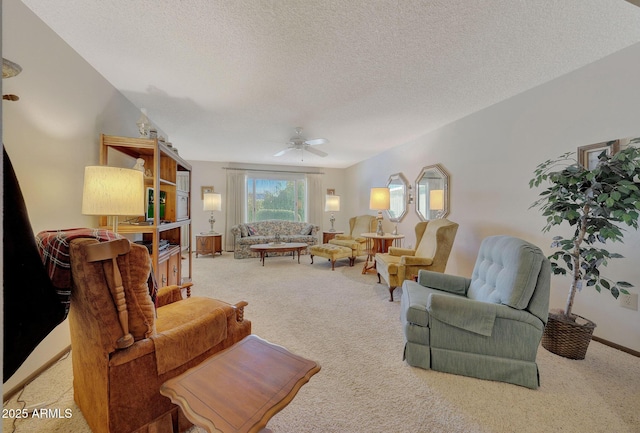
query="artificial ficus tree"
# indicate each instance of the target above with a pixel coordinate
(597, 203)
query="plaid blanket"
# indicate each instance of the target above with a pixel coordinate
(53, 247)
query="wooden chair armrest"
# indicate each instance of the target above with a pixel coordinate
(239, 308)
(398, 251)
(169, 294)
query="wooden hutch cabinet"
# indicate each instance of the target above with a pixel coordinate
(166, 232)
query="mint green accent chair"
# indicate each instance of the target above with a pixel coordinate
(488, 326)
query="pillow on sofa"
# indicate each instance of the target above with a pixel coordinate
(306, 230)
(243, 230)
(252, 231)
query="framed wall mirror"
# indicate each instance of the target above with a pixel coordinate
(398, 186)
(432, 193)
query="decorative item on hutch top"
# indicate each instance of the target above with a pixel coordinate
(144, 124)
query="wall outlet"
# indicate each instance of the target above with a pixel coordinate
(629, 301)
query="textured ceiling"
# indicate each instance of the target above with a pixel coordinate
(230, 80)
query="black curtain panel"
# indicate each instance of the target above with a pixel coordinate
(31, 306)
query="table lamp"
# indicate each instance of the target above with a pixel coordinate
(332, 204)
(212, 202)
(379, 200)
(113, 191)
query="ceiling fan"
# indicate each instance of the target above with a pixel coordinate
(298, 142)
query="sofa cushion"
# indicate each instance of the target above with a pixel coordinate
(244, 232)
(252, 231)
(306, 230)
(180, 337)
(390, 262)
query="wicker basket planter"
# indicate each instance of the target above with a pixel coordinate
(566, 337)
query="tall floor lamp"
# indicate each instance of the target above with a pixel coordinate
(212, 202)
(332, 204)
(113, 191)
(379, 200)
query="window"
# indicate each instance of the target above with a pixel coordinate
(276, 196)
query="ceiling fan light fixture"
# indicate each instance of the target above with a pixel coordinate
(298, 142)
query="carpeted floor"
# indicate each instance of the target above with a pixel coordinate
(343, 320)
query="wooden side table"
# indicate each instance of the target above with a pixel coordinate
(208, 243)
(327, 236)
(378, 244)
(239, 389)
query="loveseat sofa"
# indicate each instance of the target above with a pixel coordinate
(263, 232)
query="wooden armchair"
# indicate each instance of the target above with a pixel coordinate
(124, 348)
(357, 226)
(434, 240)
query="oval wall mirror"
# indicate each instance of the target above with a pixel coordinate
(432, 193)
(398, 186)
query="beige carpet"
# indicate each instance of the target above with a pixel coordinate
(343, 320)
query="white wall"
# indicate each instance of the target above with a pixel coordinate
(207, 173)
(52, 133)
(491, 156)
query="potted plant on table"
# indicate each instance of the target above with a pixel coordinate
(594, 202)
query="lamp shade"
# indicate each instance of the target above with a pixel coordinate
(113, 191)
(436, 199)
(379, 199)
(332, 203)
(212, 201)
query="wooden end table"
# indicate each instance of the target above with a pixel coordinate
(283, 247)
(239, 389)
(208, 243)
(328, 235)
(378, 244)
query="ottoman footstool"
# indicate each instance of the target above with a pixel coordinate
(333, 253)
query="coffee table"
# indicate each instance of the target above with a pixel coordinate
(239, 389)
(283, 247)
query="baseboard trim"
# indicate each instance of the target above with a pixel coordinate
(616, 346)
(13, 391)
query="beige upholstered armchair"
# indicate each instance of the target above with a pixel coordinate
(124, 348)
(434, 239)
(357, 226)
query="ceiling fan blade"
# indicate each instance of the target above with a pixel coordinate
(316, 141)
(316, 151)
(283, 151)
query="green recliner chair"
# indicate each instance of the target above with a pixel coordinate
(488, 326)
